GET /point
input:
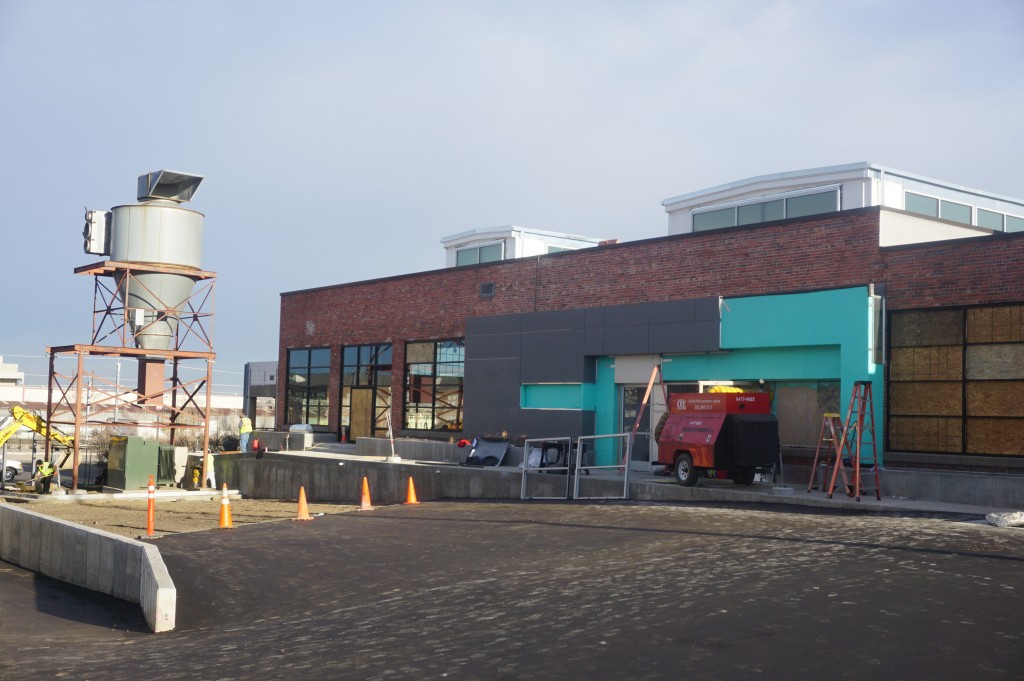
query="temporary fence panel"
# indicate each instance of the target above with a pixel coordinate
(542, 458)
(584, 464)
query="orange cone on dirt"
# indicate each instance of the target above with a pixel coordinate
(225, 509)
(303, 507)
(364, 504)
(411, 497)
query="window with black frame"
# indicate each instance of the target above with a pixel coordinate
(434, 372)
(309, 372)
(365, 390)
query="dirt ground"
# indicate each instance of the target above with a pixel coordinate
(127, 517)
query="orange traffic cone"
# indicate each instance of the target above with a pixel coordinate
(225, 509)
(303, 508)
(411, 497)
(364, 504)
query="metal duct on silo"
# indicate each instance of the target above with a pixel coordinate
(157, 231)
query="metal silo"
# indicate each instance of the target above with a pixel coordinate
(156, 231)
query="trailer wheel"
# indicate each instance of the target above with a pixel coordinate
(686, 474)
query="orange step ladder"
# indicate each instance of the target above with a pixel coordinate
(828, 440)
(858, 434)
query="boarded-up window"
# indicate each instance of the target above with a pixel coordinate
(956, 381)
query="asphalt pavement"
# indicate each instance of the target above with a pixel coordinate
(487, 590)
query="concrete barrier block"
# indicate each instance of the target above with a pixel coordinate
(30, 549)
(77, 539)
(56, 549)
(158, 596)
(6, 532)
(93, 553)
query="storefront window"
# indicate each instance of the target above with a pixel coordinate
(309, 371)
(434, 372)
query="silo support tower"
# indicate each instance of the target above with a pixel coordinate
(152, 303)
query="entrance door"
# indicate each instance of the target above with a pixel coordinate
(361, 424)
(632, 396)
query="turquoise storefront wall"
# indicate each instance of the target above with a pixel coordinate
(824, 335)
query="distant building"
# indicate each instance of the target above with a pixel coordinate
(259, 393)
(9, 374)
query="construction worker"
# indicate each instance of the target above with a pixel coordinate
(43, 476)
(244, 428)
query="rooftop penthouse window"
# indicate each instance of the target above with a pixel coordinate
(960, 212)
(779, 207)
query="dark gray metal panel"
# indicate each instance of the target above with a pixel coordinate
(564, 343)
(552, 370)
(502, 323)
(493, 345)
(627, 315)
(492, 370)
(593, 341)
(556, 423)
(707, 336)
(706, 309)
(551, 320)
(594, 316)
(673, 311)
(671, 338)
(483, 422)
(626, 340)
(493, 394)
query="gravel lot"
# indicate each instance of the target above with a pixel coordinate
(127, 517)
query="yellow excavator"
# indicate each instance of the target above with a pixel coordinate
(19, 418)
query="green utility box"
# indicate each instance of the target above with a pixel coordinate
(130, 462)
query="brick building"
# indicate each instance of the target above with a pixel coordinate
(797, 283)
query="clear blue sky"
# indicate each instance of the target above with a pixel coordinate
(341, 141)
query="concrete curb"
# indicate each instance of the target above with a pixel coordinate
(124, 568)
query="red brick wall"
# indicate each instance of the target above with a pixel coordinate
(829, 251)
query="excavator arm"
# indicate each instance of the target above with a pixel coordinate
(21, 417)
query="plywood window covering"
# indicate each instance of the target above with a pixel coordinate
(365, 390)
(956, 381)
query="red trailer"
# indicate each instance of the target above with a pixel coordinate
(731, 432)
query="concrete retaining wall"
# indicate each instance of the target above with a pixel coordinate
(101, 561)
(279, 476)
(980, 489)
(427, 450)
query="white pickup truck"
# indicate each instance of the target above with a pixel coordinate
(11, 469)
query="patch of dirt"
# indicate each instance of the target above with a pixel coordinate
(127, 517)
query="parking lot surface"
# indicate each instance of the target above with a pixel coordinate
(456, 590)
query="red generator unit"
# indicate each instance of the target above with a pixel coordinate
(733, 434)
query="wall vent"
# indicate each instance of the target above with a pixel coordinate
(487, 290)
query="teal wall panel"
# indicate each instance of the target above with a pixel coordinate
(771, 364)
(551, 396)
(606, 407)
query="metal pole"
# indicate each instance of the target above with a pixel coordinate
(78, 426)
(206, 418)
(117, 389)
(391, 436)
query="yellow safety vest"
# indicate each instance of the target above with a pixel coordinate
(245, 426)
(45, 469)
